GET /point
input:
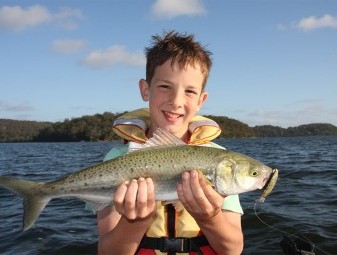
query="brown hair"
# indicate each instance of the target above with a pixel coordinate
(178, 47)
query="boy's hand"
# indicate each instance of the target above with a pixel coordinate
(199, 198)
(135, 200)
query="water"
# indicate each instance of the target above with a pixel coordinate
(303, 202)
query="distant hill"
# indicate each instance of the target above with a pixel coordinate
(20, 130)
(85, 128)
(232, 128)
(98, 128)
(302, 130)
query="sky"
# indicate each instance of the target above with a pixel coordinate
(274, 61)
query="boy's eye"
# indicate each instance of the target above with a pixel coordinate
(164, 86)
(191, 92)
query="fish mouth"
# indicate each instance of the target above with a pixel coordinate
(269, 186)
(267, 181)
(264, 182)
(267, 174)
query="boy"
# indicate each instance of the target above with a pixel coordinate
(176, 74)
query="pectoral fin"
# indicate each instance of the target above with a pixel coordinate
(205, 178)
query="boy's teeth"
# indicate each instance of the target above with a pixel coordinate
(172, 115)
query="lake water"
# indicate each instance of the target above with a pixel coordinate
(304, 201)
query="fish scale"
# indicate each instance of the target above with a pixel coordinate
(162, 164)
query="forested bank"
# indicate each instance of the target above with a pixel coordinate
(98, 128)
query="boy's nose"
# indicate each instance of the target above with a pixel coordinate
(176, 99)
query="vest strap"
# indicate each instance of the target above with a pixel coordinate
(178, 244)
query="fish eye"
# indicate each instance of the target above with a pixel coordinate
(253, 173)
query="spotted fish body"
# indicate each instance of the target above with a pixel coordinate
(229, 172)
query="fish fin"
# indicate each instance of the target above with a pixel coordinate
(161, 137)
(32, 209)
(205, 178)
(169, 202)
(96, 207)
(32, 200)
(178, 206)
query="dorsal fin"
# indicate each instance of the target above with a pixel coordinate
(161, 137)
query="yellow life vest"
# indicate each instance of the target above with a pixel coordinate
(132, 126)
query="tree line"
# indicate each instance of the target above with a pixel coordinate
(18, 131)
(98, 128)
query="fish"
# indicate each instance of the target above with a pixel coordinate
(163, 158)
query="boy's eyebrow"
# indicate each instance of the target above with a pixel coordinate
(171, 82)
(190, 86)
(165, 81)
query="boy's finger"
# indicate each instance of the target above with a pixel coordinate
(141, 202)
(186, 188)
(182, 197)
(198, 192)
(214, 198)
(119, 197)
(150, 193)
(130, 200)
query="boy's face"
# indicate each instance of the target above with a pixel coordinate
(174, 96)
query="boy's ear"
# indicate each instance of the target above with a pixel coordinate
(144, 90)
(202, 99)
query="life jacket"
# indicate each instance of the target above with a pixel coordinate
(170, 226)
(132, 126)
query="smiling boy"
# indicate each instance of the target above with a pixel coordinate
(176, 74)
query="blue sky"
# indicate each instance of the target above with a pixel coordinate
(274, 61)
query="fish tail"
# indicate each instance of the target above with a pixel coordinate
(33, 200)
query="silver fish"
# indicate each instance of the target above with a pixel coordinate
(164, 158)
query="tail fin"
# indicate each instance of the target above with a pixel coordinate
(33, 198)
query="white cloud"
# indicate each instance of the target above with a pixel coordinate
(111, 56)
(295, 116)
(313, 22)
(263, 117)
(16, 18)
(66, 17)
(20, 107)
(67, 46)
(167, 9)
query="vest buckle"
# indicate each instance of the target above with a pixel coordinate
(178, 244)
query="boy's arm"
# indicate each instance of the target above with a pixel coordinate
(113, 230)
(223, 232)
(135, 201)
(221, 228)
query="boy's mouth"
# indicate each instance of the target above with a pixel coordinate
(172, 115)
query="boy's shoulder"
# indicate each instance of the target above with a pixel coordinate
(118, 149)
